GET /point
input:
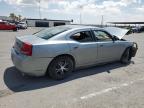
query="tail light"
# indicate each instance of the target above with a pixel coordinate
(26, 49)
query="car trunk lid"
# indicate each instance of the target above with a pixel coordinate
(24, 44)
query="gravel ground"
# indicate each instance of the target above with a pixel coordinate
(109, 86)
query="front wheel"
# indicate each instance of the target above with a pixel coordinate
(61, 67)
(126, 57)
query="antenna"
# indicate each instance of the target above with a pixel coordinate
(80, 18)
(80, 7)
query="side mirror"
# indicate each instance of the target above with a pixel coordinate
(115, 38)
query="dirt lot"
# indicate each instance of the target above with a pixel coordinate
(109, 86)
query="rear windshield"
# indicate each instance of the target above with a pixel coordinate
(50, 32)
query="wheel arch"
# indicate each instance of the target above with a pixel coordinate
(68, 55)
(130, 46)
(126, 49)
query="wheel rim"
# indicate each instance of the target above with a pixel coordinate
(62, 67)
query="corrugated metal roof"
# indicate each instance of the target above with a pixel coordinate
(126, 22)
(48, 20)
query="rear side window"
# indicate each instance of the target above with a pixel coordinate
(84, 36)
(51, 32)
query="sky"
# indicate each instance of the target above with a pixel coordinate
(91, 10)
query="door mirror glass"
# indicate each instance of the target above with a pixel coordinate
(115, 38)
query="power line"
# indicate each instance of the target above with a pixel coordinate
(39, 9)
(102, 20)
(80, 7)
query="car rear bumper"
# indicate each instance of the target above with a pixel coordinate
(29, 65)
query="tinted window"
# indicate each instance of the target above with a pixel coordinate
(58, 23)
(102, 36)
(41, 24)
(84, 36)
(2, 22)
(50, 32)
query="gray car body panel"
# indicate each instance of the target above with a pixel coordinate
(87, 53)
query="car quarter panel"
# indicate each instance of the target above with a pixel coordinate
(30, 65)
(51, 49)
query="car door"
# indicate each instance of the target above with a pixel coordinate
(5, 26)
(2, 25)
(108, 50)
(8, 26)
(84, 48)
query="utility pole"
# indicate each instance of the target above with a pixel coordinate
(81, 7)
(102, 20)
(80, 17)
(39, 9)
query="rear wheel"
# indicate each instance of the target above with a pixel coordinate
(126, 57)
(15, 29)
(61, 67)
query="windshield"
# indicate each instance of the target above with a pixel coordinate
(22, 23)
(50, 32)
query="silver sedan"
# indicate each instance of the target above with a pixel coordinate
(57, 51)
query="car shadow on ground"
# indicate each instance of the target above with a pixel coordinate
(18, 83)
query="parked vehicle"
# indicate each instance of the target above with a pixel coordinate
(142, 29)
(22, 25)
(136, 29)
(57, 51)
(4, 25)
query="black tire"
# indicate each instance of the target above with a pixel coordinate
(60, 68)
(15, 29)
(126, 57)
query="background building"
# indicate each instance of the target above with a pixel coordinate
(45, 22)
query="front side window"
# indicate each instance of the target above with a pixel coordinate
(102, 36)
(84, 36)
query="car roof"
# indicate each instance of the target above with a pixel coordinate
(81, 27)
(2, 21)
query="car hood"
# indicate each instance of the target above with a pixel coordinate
(115, 31)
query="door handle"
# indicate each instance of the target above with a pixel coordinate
(75, 47)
